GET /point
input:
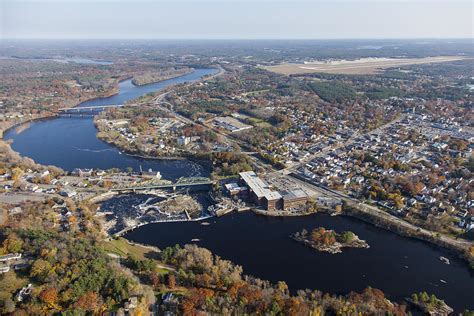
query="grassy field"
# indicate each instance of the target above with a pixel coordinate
(122, 248)
(365, 66)
(259, 122)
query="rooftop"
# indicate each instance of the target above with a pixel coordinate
(258, 186)
(293, 194)
(231, 123)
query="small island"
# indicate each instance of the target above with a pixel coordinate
(326, 240)
(430, 304)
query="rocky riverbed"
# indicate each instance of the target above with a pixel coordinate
(127, 211)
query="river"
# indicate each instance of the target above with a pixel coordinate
(71, 142)
(397, 265)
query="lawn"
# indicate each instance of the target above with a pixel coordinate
(123, 248)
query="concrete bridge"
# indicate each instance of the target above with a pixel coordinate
(182, 183)
(87, 109)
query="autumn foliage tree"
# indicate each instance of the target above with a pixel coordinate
(88, 302)
(171, 281)
(321, 235)
(49, 296)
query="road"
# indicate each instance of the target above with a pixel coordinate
(350, 141)
(289, 172)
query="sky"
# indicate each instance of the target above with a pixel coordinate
(235, 19)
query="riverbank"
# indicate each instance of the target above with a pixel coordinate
(280, 213)
(162, 221)
(149, 78)
(52, 114)
(260, 244)
(143, 155)
(115, 135)
(460, 248)
(202, 159)
(382, 219)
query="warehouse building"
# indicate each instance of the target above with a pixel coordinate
(260, 193)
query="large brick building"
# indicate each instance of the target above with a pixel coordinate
(260, 193)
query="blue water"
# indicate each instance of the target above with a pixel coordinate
(72, 143)
(129, 91)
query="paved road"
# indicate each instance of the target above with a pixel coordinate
(349, 141)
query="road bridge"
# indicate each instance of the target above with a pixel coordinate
(182, 183)
(82, 109)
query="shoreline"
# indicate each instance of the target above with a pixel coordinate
(415, 233)
(133, 79)
(391, 224)
(381, 219)
(114, 91)
(128, 229)
(429, 240)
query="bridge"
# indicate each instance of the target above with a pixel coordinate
(85, 109)
(182, 182)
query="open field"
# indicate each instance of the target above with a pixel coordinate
(123, 248)
(364, 66)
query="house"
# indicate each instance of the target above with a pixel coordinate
(100, 173)
(183, 140)
(429, 199)
(68, 193)
(131, 304)
(10, 256)
(82, 172)
(44, 174)
(234, 189)
(26, 291)
(15, 211)
(32, 187)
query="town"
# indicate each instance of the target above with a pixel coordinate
(173, 138)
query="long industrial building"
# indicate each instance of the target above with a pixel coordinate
(260, 193)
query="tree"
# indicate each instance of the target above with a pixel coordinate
(49, 296)
(295, 306)
(88, 302)
(154, 279)
(17, 173)
(40, 269)
(12, 244)
(424, 297)
(347, 236)
(171, 281)
(282, 286)
(7, 306)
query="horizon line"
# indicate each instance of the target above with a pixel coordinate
(238, 39)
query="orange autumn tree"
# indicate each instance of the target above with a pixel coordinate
(49, 296)
(88, 302)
